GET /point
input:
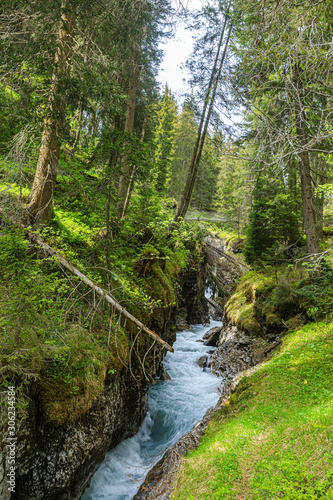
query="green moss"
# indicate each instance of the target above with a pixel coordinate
(263, 301)
(72, 377)
(242, 312)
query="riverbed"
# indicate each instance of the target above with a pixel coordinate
(174, 407)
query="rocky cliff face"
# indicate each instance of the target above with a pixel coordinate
(57, 462)
(193, 306)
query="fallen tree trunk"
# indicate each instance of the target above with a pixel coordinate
(241, 266)
(111, 300)
(213, 304)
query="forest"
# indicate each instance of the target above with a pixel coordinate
(110, 184)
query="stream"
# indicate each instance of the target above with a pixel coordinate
(175, 406)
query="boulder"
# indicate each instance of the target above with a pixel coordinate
(234, 353)
(212, 336)
(203, 361)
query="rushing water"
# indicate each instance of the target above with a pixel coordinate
(175, 406)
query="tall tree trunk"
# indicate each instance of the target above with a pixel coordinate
(78, 130)
(135, 168)
(124, 179)
(305, 171)
(204, 122)
(40, 208)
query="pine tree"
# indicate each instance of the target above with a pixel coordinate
(273, 220)
(164, 139)
(184, 141)
(232, 196)
(281, 74)
(40, 208)
(205, 187)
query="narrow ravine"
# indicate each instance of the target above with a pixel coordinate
(175, 406)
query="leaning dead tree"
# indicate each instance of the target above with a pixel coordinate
(35, 238)
(106, 296)
(243, 268)
(204, 120)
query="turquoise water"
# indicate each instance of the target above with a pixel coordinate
(175, 406)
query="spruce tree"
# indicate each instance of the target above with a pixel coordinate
(184, 141)
(164, 139)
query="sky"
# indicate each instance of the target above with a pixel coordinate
(177, 51)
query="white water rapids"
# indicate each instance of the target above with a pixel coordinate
(175, 406)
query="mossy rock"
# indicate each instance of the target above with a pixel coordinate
(72, 377)
(273, 321)
(64, 403)
(295, 323)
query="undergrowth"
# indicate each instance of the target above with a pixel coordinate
(54, 331)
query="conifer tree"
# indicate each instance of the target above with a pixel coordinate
(184, 141)
(282, 78)
(40, 208)
(164, 139)
(233, 189)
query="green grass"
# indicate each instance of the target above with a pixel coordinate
(14, 189)
(273, 439)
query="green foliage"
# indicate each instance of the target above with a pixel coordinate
(273, 221)
(164, 138)
(282, 298)
(205, 185)
(184, 141)
(317, 293)
(12, 250)
(232, 195)
(291, 478)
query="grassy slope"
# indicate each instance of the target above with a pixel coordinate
(273, 439)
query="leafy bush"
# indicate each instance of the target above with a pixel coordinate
(317, 293)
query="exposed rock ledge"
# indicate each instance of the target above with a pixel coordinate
(237, 355)
(56, 462)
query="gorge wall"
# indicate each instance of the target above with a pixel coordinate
(56, 462)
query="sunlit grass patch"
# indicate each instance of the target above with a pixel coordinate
(274, 439)
(13, 189)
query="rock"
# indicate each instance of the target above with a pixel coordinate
(212, 336)
(233, 354)
(202, 362)
(237, 246)
(192, 304)
(165, 376)
(181, 323)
